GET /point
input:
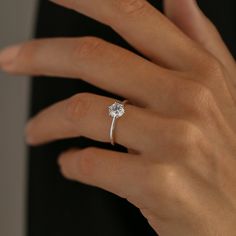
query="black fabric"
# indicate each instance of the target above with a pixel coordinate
(57, 207)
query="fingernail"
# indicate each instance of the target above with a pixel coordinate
(8, 55)
(29, 140)
(28, 136)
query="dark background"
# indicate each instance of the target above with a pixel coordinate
(57, 207)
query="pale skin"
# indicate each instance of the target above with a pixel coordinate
(179, 125)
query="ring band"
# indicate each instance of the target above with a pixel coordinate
(116, 110)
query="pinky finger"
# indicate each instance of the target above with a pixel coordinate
(119, 173)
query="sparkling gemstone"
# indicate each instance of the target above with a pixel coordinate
(116, 110)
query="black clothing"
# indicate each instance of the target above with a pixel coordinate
(57, 207)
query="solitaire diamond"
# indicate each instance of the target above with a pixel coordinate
(116, 110)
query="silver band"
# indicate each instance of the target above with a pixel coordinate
(116, 110)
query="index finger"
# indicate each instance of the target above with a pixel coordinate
(147, 29)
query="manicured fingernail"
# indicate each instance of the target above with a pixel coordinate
(29, 140)
(28, 136)
(8, 55)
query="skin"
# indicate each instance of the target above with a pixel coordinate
(179, 125)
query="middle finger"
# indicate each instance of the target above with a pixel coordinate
(98, 62)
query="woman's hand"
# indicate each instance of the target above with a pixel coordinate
(179, 124)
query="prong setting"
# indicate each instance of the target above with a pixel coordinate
(116, 110)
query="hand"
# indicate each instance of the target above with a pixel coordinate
(179, 123)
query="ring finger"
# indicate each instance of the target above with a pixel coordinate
(87, 115)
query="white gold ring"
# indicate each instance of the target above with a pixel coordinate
(116, 110)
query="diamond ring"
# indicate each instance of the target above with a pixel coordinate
(116, 110)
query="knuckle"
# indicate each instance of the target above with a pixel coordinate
(205, 104)
(173, 179)
(78, 106)
(168, 184)
(187, 138)
(187, 130)
(211, 68)
(131, 6)
(88, 46)
(202, 98)
(194, 97)
(168, 175)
